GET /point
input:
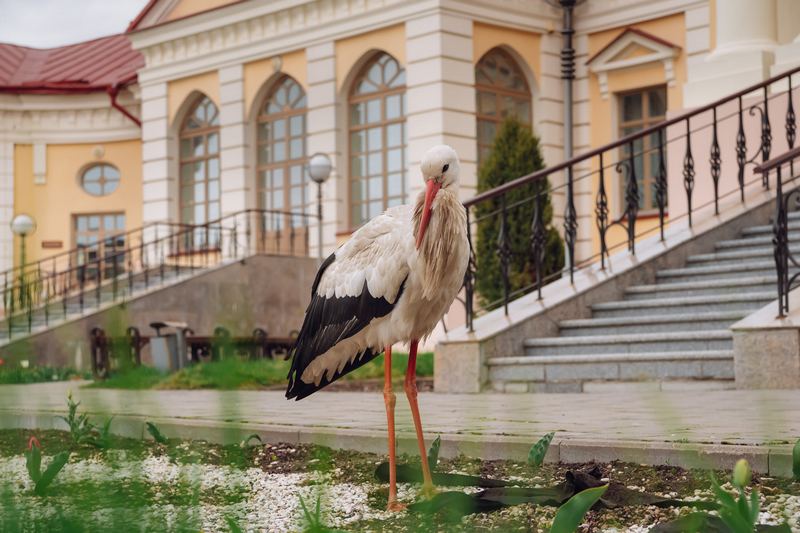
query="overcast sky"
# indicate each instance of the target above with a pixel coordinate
(49, 23)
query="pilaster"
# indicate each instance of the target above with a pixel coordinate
(6, 204)
(440, 94)
(322, 134)
(236, 189)
(157, 184)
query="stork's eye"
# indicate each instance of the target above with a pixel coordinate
(444, 168)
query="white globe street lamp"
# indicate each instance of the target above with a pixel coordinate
(319, 169)
(23, 225)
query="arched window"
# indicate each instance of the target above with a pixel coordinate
(501, 91)
(100, 179)
(281, 138)
(199, 162)
(377, 139)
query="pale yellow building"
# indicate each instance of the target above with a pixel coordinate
(204, 108)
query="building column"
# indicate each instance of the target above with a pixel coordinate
(322, 137)
(440, 95)
(157, 184)
(743, 53)
(235, 187)
(6, 204)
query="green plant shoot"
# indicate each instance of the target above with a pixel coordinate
(433, 452)
(539, 450)
(156, 433)
(796, 460)
(569, 516)
(33, 462)
(246, 442)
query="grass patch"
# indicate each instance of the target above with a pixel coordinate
(11, 375)
(238, 374)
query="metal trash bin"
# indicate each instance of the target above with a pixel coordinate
(169, 350)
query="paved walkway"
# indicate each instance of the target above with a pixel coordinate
(711, 428)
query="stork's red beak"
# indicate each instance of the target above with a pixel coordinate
(431, 188)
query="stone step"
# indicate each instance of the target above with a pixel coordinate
(717, 272)
(688, 304)
(767, 229)
(731, 256)
(700, 288)
(680, 341)
(655, 323)
(569, 373)
(754, 242)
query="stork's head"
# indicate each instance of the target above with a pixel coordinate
(439, 170)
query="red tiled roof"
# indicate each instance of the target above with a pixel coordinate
(77, 68)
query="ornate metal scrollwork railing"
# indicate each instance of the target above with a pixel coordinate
(787, 196)
(620, 212)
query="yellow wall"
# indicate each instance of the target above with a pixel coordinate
(391, 40)
(179, 90)
(53, 203)
(526, 44)
(256, 73)
(603, 110)
(190, 7)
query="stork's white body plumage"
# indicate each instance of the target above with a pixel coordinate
(381, 257)
(391, 282)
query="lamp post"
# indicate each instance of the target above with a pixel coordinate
(319, 169)
(22, 226)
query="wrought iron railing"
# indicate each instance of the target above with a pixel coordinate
(786, 194)
(112, 270)
(708, 129)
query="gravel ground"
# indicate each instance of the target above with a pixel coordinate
(191, 486)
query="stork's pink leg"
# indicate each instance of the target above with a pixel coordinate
(411, 393)
(390, 400)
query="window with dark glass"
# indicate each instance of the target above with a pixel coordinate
(377, 139)
(100, 239)
(199, 164)
(639, 110)
(501, 91)
(100, 179)
(281, 135)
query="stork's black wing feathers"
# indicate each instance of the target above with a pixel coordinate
(327, 321)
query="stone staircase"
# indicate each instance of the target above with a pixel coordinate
(671, 334)
(58, 311)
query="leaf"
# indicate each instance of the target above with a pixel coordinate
(51, 472)
(433, 452)
(539, 450)
(156, 433)
(569, 516)
(692, 523)
(33, 462)
(233, 527)
(796, 460)
(246, 442)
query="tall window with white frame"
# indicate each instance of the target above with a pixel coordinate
(200, 172)
(500, 91)
(638, 110)
(377, 109)
(281, 159)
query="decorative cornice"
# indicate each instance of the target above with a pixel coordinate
(66, 119)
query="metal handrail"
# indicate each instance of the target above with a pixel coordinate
(492, 207)
(188, 247)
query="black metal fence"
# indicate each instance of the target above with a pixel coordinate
(113, 269)
(728, 137)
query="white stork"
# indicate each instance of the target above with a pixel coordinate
(391, 282)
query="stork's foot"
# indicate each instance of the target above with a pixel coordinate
(395, 506)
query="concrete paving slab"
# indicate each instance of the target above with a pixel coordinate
(688, 428)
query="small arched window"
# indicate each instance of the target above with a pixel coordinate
(282, 152)
(100, 179)
(377, 139)
(501, 91)
(199, 173)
